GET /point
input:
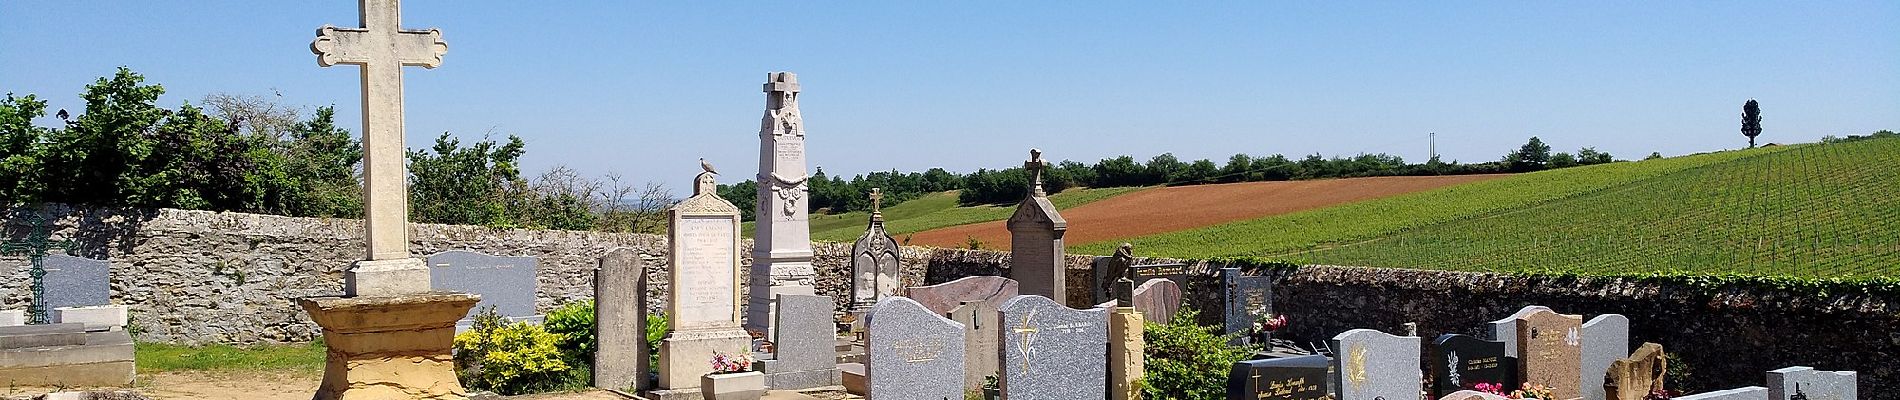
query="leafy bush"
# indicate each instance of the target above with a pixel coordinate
(508, 358)
(656, 330)
(574, 323)
(1188, 361)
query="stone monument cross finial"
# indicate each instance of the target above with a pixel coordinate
(382, 48)
(877, 201)
(1035, 165)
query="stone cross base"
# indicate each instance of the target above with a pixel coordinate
(387, 277)
(687, 355)
(390, 347)
(1125, 347)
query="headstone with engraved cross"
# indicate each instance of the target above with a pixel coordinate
(875, 266)
(381, 47)
(1035, 230)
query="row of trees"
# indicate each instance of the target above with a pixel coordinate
(830, 193)
(252, 154)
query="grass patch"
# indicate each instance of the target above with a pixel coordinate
(160, 357)
(1804, 210)
(1291, 234)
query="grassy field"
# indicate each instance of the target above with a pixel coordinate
(1288, 234)
(1818, 210)
(936, 210)
(156, 357)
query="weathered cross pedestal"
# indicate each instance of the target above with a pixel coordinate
(781, 246)
(389, 336)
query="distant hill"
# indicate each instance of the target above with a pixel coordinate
(935, 210)
(1821, 210)
(1169, 209)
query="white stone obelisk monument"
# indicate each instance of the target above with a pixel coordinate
(781, 245)
(389, 335)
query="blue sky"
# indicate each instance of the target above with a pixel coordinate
(643, 89)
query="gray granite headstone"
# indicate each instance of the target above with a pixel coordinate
(1375, 365)
(1157, 300)
(1505, 330)
(1290, 378)
(979, 341)
(1812, 384)
(1747, 393)
(1052, 352)
(941, 298)
(506, 283)
(76, 281)
(620, 288)
(1245, 298)
(1606, 339)
(805, 355)
(914, 353)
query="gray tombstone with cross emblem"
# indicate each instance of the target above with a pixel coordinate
(1050, 351)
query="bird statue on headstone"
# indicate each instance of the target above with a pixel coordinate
(707, 166)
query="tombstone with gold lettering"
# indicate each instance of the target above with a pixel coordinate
(914, 353)
(1052, 352)
(1550, 352)
(704, 302)
(1375, 365)
(1290, 378)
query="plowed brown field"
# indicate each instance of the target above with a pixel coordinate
(1171, 209)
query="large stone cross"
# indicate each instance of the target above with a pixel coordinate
(382, 48)
(1035, 165)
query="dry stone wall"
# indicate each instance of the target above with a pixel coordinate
(204, 277)
(198, 277)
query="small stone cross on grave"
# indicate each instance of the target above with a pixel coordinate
(877, 203)
(34, 247)
(382, 48)
(1035, 165)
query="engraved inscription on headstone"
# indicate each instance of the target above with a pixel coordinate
(1291, 378)
(1375, 365)
(1461, 362)
(707, 250)
(1246, 298)
(1052, 352)
(1551, 346)
(914, 353)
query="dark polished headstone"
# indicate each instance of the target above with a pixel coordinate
(1461, 362)
(1292, 378)
(1246, 298)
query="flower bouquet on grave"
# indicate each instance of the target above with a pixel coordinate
(1533, 391)
(1488, 387)
(1264, 327)
(732, 378)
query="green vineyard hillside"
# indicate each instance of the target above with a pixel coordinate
(1818, 210)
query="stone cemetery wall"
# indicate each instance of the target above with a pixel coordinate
(204, 277)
